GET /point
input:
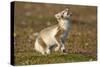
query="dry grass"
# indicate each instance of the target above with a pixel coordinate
(30, 18)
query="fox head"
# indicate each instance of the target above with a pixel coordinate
(65, 14)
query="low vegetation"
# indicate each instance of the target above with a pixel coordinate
(30, 18)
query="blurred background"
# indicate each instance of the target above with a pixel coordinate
(30, 18)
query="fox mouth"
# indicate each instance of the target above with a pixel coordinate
(68, 13)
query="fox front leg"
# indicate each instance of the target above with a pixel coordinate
(58, 45)
(62, 42)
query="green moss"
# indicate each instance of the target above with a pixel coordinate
(30, 58)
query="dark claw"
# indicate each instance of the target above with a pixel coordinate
(64, 51)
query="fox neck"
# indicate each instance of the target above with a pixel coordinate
(64, 24)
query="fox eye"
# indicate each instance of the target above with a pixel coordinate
(63, 13)
(61, 16)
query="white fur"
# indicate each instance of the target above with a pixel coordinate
(48, 34)
(38, 47)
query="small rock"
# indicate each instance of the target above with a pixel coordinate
(79, 33)
(15, 34)
(86, 44)
(36, 34)
(28, 13)
(23, 23)
(48, 23)
(90, 59)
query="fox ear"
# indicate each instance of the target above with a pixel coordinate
(57, 16)
(66, 9)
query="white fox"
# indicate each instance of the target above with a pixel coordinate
(54, 35)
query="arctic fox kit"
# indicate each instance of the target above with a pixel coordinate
(54, 35)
